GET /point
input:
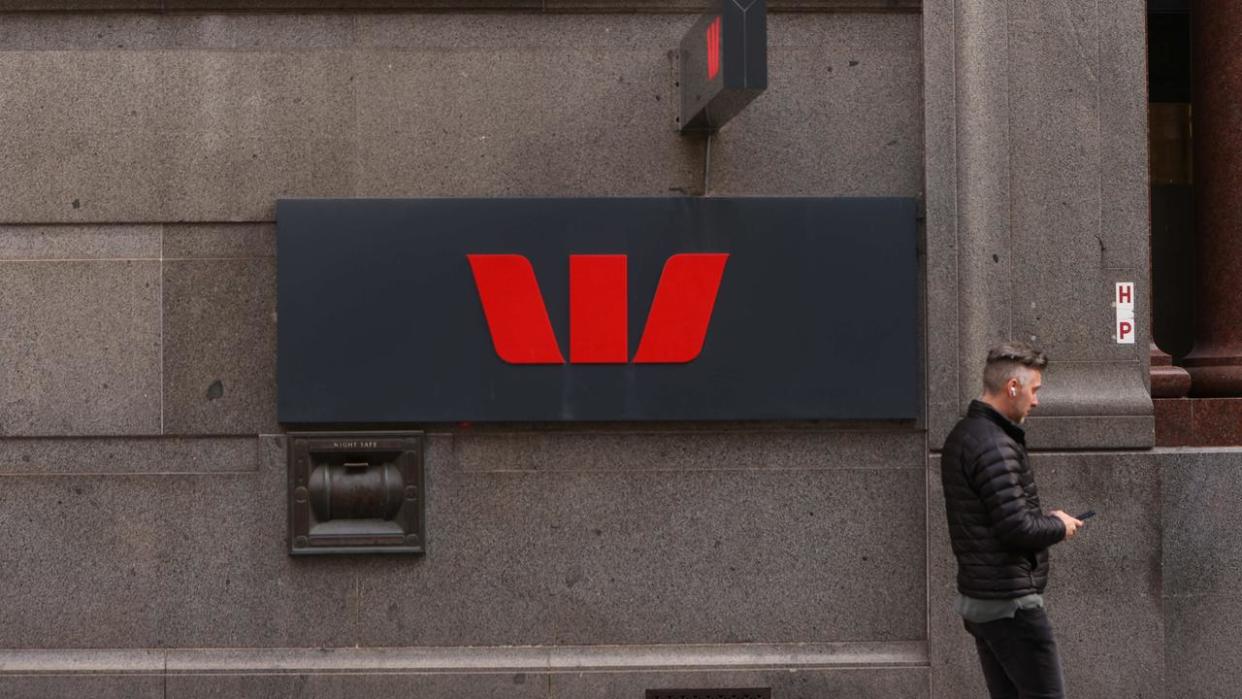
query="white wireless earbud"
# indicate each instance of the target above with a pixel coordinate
(1013, 392)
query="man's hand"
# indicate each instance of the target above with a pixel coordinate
(1071, 524)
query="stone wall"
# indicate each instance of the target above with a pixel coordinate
(142, 472)
(143, 467)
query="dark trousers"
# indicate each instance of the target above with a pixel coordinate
(1019, 656)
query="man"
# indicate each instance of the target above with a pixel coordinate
(999, 534)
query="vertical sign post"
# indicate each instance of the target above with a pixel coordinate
(1124, 302)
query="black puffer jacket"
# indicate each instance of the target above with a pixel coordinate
(999, 534)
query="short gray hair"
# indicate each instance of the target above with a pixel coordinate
(1007, 360)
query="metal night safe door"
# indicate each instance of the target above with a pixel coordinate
(356, 493)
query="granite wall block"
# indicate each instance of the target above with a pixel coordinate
(1201, 490)
(968, 144)
(904, 683)
(220, 344)
(704, 448)
(106, 687)
(127, 455)
(80, 342)
(848, 83)
(1201, 641)
(220, 328)
(107, 242)
(1104, 595)
(681, 555)
(218, 241)
(1059, 164)
(171, 135)
(347, 686)
(143, 31)
(206, 122)
(157, 561)
(1202, 563)
(941, 226)
(608, 6)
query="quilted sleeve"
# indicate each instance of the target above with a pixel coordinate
(997, 479)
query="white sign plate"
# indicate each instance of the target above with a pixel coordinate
(1124, 301)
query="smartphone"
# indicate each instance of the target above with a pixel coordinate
(1086, 515)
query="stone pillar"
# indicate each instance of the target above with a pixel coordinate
(1215, 364)
(1037, 205)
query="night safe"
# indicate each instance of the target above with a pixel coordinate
(356, 492)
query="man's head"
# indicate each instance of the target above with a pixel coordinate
(1012, 377)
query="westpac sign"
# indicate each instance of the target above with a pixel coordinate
(445, 310)
(598, 300)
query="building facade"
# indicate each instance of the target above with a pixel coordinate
(143, 487)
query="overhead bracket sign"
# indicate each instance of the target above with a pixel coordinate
(724, 63)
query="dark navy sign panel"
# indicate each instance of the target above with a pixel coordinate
(381, 320)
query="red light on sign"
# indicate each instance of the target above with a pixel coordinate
(713, 49)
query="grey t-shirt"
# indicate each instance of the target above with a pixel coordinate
(981, 611)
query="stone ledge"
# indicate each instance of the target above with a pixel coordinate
(1093, 405)
(26, 662)
(79, 243)
(114, 456)
(602, 6)
(481, 451)
(1050, 433)
(1073, 388)
(791, 656)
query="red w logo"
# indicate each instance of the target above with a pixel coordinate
(713, 48)
(598, 309)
